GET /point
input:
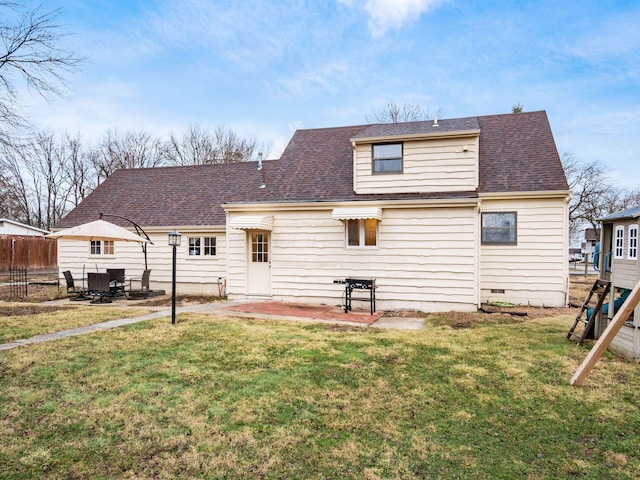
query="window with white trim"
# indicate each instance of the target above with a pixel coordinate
(633, 242)
(362, 232)
(102, 247)
(618, 250)
(202, 246)
(209, 246)
(387, 158)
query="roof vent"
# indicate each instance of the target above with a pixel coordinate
(259, 161)
(435, 120)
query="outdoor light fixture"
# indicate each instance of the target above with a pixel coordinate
(174, 241)
(174, 238)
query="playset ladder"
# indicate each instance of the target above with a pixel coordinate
(601, 287)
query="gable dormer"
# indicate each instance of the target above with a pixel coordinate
(417, 157)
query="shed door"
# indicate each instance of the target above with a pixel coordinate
(259, 274)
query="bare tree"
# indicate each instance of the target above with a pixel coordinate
(9, 204)
(630, 198)
(593, 194)
(128, 150)
(195, 147)
(517, 108)
(16, 188)
(409, 112)
(29, 56)
(78, 171)
(231, 148)
(198, 146)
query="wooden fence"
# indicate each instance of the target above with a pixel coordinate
(26, 251)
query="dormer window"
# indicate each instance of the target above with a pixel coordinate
(387, 158)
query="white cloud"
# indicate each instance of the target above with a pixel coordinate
(329, 77)
(386, 15)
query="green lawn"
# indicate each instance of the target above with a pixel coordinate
(218, 398)
(25, 320)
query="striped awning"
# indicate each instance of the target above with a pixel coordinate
(261, 222)
(356, 213)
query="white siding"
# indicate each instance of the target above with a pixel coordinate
(236, 262)
(535, 271)
(436, 165)
(425, 259)
(193, 274)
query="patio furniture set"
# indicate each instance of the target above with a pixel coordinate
(104, 287)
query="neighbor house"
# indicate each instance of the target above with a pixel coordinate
(443, 214)
(11, 227)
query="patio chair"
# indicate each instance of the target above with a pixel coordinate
(75, 293)
(98, 286)
(116, 280)
(144, 290)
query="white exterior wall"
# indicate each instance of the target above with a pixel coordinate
(194, 274)
(535, 271)
(15, 228)
(434, 165)
(426, 258)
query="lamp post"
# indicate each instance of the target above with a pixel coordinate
(174, 241)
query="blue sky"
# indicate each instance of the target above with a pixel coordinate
(265, 68)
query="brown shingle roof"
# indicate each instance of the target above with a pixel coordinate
(414, 128)
(517, 153)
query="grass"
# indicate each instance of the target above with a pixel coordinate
(24, 320)
(218, 398)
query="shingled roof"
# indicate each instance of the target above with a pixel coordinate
(517, 154)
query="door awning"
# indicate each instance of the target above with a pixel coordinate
(255, 222)
(356, 213)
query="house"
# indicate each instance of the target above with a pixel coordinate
(22, 245)
(591, 237)
(11, 227)
(618, 262)
(443, 214)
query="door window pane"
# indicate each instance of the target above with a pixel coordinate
(259, 247)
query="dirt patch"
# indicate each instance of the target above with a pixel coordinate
(579, 288)
(181, 301)
(494, 315)
(35, 293)
(28, 309)
(318, 312)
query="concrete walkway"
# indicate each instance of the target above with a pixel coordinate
(217, 308)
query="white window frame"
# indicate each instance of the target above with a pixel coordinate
(102, 247)
(200, 245)
(618, 242)
(209, 246)
(361, 223)
(632, 249)
(194, 246)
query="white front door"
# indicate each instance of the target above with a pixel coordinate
(259, 274)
